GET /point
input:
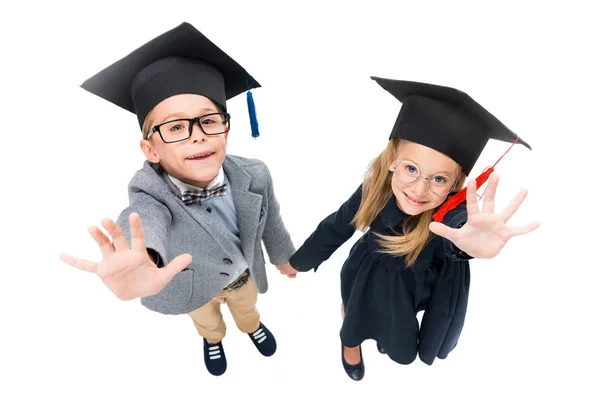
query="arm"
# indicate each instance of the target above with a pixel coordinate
(331, 233)
(156, 219)
(456, 218)
(126, 267)
(276, 238)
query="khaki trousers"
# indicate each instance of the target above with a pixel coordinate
(242, 305)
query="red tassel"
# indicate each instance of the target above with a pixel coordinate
(461, 196)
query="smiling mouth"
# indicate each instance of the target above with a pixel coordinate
(414, 201)
(200, 156)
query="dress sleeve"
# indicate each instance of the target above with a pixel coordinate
(455, 219)
(330, 234)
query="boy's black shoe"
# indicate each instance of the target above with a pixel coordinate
(264, 340)
(214, 358)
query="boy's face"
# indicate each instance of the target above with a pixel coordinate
(195, 161)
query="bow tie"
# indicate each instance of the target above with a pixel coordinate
(190, 196)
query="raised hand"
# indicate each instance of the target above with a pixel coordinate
(485, 233)
(128, 272)
(287, 269)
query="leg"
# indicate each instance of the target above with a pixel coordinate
(242, 304)
(351, 354)
(209, 323)
(209, 320)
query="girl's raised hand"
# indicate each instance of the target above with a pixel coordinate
(485, 233)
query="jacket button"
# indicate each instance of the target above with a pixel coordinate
(227, 261)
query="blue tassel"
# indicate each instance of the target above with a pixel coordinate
(252, 112)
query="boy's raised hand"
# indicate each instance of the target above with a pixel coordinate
(129, 273)
(485, 233)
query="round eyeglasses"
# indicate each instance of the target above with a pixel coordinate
(178, 130)
(407, 173)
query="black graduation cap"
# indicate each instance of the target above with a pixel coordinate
(446, 120)
(179, 61)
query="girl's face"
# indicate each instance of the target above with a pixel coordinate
(417, 161)
(197, 160)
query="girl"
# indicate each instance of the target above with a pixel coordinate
(398, 267)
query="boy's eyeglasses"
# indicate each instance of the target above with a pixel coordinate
(179, 130)
(407, 173)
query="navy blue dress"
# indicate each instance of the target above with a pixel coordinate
(381, 296)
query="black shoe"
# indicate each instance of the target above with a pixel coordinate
(214, 358)
(380, 349)
(357, 371)
(264, 340)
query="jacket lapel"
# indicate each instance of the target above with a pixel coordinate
(247, 206)
(205, 219)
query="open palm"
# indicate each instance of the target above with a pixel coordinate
(485, 233)
(128, 272)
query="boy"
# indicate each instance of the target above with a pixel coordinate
(191, 198)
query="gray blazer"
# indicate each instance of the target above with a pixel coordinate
(171, 228)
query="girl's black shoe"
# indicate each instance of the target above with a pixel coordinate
(357, 371)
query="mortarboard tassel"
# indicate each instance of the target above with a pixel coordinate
(251, 111)
(462, 194)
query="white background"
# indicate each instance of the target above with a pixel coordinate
(67, 156)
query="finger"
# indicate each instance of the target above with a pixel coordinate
(522, 230)
(116, 233)
(137, 232)
(490, 195)
(174, 267)
(106, 247)
(443, 230)
(79, 263)
(472, 207)
(514, 205)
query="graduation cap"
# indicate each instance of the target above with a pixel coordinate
(449, 121)
(179, 61)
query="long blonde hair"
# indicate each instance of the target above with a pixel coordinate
(376, 192)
